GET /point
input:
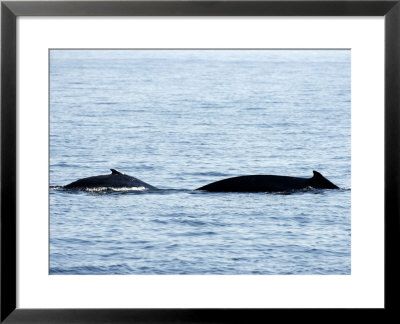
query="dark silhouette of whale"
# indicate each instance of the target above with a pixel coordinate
(249, 183)
(116, 179)
(269, 183)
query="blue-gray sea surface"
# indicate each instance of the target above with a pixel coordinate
(179, 119)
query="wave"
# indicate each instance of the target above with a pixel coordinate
(111, 190)
(213, 174)
(101, 189)
(122, 268)
(190, 191)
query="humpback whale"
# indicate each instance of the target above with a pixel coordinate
(248, 183)
(269, 183)
(116, 179)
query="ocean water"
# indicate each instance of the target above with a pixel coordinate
(179, 119)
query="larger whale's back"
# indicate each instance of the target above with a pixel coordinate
(256, 183)
(268, 183)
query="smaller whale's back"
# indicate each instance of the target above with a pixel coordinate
(114, 180)
(268, 183)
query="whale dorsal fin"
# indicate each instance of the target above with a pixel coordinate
(321, 182)
(317, 174)
(113, 171)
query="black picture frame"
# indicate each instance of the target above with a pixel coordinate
(10, 10)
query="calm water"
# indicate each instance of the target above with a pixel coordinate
(179, 119)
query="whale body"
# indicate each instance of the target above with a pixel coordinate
(248, 183)
(116, 179)
(269, 183)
